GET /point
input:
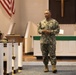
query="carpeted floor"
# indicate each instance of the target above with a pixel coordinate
(38, 70)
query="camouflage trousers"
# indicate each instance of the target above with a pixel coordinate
(48, 49)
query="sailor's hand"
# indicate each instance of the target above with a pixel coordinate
(46, 31)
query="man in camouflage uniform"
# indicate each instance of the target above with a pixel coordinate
(48, 28)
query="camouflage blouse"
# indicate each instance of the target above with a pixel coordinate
(51, 25)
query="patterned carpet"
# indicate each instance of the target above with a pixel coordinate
(38, 70)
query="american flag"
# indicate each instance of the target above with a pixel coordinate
(9, 6)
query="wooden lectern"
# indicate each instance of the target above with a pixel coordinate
(15, 38)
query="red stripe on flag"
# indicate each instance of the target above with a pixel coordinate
(9, 1)
(8, 5)
(13, 7)
(6, 9)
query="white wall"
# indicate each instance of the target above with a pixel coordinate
(32, 10)
(17, 17)
(26, 10)
(5, 20)
(69, 29)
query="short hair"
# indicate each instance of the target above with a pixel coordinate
(48, 10)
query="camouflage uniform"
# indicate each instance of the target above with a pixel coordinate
(48, 41)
